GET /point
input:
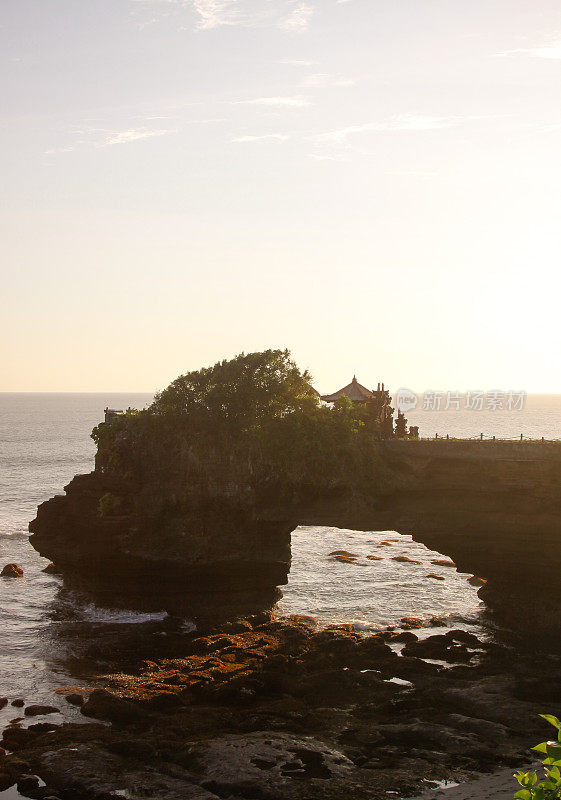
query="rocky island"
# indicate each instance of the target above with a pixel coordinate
(194, 499)
(191, 506)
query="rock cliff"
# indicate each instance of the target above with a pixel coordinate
(218, 529)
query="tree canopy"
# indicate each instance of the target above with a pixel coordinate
(257, 404)
(240, 394)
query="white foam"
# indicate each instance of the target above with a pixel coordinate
(117, 616)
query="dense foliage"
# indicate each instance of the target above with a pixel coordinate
(257, 405)
(550, 787)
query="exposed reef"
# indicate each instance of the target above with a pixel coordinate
(268, 708)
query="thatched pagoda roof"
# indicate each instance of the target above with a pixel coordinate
(353, 390)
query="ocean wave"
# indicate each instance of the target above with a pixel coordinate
(118, 616)
(74, 606)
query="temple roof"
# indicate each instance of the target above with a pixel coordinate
(353, 390)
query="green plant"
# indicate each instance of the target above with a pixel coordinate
(550, 787)
(106, 505)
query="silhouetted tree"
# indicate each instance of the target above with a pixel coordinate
(401, 426)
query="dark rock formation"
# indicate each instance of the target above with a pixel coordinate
(38, 710)
(51, 569)
(219, 527)
(278, 711)
(75, 699)
(11, 571)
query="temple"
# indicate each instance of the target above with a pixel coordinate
(358, 393)
(377, 405)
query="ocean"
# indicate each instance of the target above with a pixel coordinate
(48, 630)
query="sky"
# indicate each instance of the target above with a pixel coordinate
(374, 184)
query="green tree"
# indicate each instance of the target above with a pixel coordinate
(237, 396)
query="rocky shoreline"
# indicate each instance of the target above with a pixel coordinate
(271, 707)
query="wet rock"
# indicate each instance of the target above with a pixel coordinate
(443, 562)
(102, 704)
(304, 619)
(406, 636)
(11, 571)
(19, 703)
(51, 569)
(27, 784)
(340, 627)
(343, 553)
(440, 646)
(465, 637)
(75, 699)
(489, 699)
(475, 581)
(376, 649)
(411, 622)
(238, 626)
(260, 618)
(437, 622)
(375, 558)
(37, 710)
(339, 687)
(411, 668)
(132, 747)
(15, 738)
(431, 647)
(266, 764)
(486, 730)
(344, 559)
(3, 702)
(90, 771)
(405, 560)
(164, 702)
(435, 577)
(6, 781)
(14, 767)
(426, 735)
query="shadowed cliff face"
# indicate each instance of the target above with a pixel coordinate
(216, 535)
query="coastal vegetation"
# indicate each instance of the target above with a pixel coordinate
(258, 406)
(550, 787)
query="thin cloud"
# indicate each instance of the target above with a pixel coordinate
(276, 137)
(551, 51)
(213, 13)
(103, 137)
(402, 123)
(294, 101)
(55, 150)
(291, 15)
(326, 157)
(295, 62)
(324, 79)
(299, 17)
(131, 135)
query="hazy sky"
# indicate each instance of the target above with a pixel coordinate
(375, 184)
